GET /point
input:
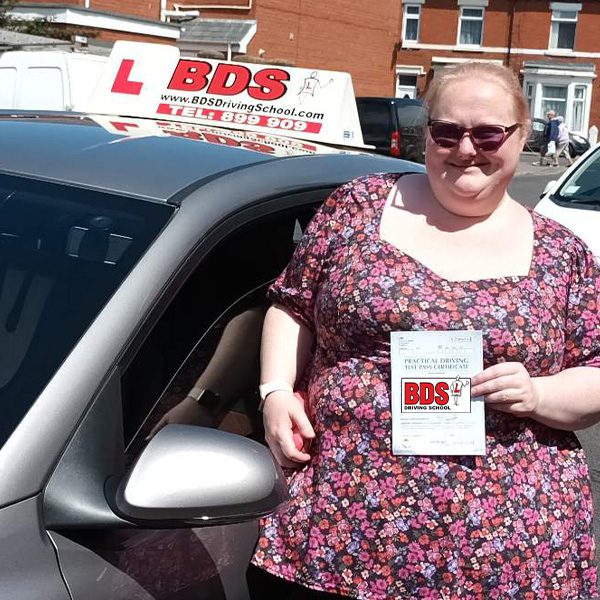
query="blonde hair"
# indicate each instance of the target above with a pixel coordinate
(493, 72)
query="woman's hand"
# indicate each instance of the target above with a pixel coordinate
(507, 387)
(284, 417)
(187, 412)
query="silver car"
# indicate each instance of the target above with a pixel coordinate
(123, 258)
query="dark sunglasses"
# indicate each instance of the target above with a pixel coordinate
(484, 137)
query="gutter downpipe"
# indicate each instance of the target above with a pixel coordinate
(511, 21)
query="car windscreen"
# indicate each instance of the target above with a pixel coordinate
(583, 187)
(411, 113)
(375, 119)
(63, 252)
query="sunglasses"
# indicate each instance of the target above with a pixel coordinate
(484, 137)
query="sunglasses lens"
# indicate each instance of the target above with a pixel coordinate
(446, 134)
(488, 137)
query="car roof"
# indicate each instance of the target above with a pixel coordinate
(393, 99)
(77, 150)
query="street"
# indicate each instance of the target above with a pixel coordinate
(530, 180)
(528, 184)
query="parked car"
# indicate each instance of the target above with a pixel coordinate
(574, 200)
(395, 126)
(128, 243)
(577, 143)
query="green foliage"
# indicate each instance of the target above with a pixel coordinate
(38, 26)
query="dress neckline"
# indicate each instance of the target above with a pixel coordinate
(459, 282)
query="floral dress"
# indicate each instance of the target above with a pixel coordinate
(363, 523)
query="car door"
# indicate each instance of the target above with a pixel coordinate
(101, 556)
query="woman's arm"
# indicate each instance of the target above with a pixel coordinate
(285, 351)
(568, 400)
(232, 369)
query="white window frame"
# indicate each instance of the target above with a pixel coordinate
(412, 17)
(582, 102)
(558, 8)
(571, 80)
(461, 17)
(413, 70)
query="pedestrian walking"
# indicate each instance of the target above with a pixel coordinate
(549, 139)
(562, 146)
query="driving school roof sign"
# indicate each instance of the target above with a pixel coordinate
(152, 80)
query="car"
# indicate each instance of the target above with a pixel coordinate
(574, 199)
(394, 126)
(578, 144)
(130, 240)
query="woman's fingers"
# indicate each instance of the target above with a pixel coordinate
(508, 387)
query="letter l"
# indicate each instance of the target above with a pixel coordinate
(122, 84)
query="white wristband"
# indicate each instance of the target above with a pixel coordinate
(272, 386)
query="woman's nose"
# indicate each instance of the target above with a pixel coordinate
(465, 145)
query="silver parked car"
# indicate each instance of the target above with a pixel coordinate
(123, 257)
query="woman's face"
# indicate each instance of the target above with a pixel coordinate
(465, 180)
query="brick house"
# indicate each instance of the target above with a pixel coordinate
(553, 46)
(390, 47)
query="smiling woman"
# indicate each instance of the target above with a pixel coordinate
(449, 250)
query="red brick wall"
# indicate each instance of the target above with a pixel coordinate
(75, 2)
(147, 9)
(337, 35)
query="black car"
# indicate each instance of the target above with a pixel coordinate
(577, 143)
(395, 126)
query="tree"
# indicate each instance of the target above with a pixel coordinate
(40, 27)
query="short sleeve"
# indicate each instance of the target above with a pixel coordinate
(582, 327)
(297, 287)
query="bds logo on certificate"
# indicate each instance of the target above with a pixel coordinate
(435, 394)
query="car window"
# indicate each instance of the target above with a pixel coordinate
(375, 119)
(584, 186)
(64, 251)
(411, 114)
(537, 125)
(228, 287)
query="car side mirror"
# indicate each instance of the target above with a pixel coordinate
(550, 187)
(200, 476)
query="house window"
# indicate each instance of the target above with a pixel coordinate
(562, 33)
(470, 26)
(554, 97)
(529, 93)
(406, 85)
(579, 99)
(412, 16)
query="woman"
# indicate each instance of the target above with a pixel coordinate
(449, 250)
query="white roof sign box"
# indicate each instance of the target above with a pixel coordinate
(264, 143)
(153, 80)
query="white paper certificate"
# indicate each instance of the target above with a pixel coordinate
(432, 409)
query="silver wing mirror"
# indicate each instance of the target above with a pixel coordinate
(201, 476)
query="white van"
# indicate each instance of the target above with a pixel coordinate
(48, 79)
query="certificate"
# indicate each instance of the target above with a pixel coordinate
(432, 409)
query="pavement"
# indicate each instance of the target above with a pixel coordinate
(526, 166)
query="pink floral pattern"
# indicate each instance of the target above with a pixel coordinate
(516, 523)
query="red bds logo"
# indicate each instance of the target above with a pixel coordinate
(436, 394)
(229, 80)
